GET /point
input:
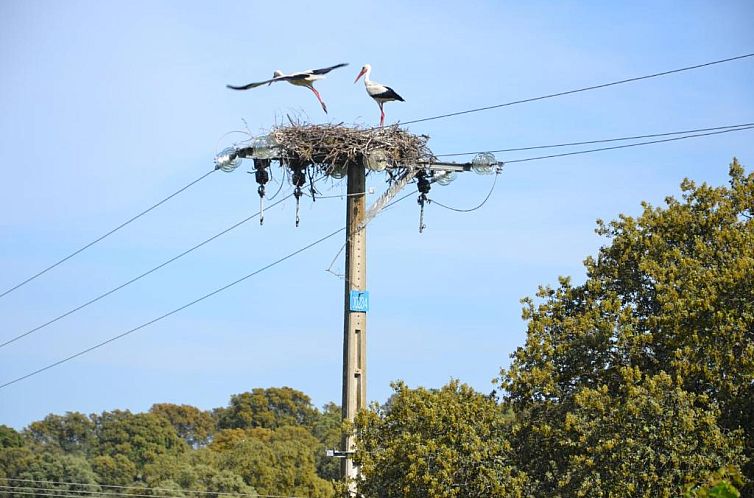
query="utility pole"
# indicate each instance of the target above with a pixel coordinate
(356, 296)
(355, 317)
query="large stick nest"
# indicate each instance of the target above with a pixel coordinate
(335, 146)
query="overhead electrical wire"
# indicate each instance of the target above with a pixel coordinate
(744, 127)
(720, 130)
(440, 116)
(604, 140)
(478, 206)
(577, 90)
(624, 146)
(139, 277)
(195, 301)
(75, 493)
(109, 487)
(55, 493)
(71, 493)
(468, 111)
(176, 310)
(102, 237)
(329, 269)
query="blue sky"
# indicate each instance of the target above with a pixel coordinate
(106, 107)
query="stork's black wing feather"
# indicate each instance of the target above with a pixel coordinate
(390, 94)
(254, 85)
(326, 70)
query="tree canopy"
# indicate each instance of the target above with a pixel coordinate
(637, 382)
(275, 445)
(448, 442)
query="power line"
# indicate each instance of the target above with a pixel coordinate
(604, 140)
(161, 317)
(69, 493)
(115, 487)
(135, 329)
(741, 128)
(578, 90)
(484, 201)
(625, 146)
(139, 277)
(51, 493)
(722, 129)
(343, 247)
(42, 272)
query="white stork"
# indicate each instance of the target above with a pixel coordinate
(379, 92)
(302, 78)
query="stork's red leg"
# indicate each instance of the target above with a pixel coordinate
(382, 115)
(316, 93)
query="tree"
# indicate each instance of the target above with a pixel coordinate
(214, 483)
(10, 438)
(115, 470)
(327, 429)
(14, 460)
(450, 442)
(192, 424)
(268, 408)
(71, 433)
(141, 437)
(277, 462)
(50, 473)
(664, 320)
(648, 438)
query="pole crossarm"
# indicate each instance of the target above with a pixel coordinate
(248, 153)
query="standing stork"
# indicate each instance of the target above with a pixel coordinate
(379, 92)
(302, 78)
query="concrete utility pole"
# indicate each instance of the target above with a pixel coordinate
(355, 321)
(356, 296)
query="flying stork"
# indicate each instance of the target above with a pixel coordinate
(302, 78)
(379, 92)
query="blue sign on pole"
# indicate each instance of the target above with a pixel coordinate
(359, 301)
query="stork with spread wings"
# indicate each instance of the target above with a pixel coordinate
(301, 78)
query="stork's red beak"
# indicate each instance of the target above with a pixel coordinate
(363, 71)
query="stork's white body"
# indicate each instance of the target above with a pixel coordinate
(303, 78)
(379, 92)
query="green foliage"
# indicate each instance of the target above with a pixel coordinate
(641, 380)
(214, 483)
(71, 433)
(178, 450)
(268, 408)
(278, 461)
(14, 461)
(721, 484)
(638, 382)
(141, 437)
(192, 424)
(648, 438)
(327, 429)
(115, 470)
(450, 442)
(41, 474)
(9, 437)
